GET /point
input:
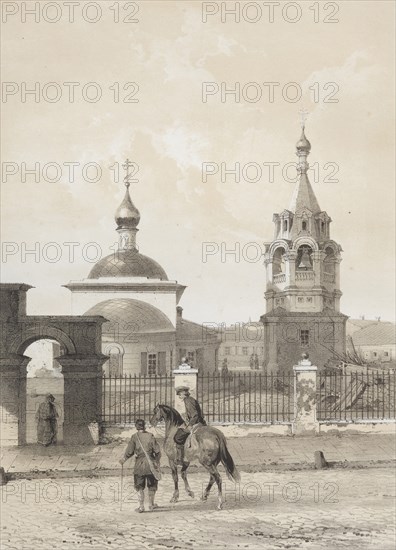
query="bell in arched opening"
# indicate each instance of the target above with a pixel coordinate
(304, 261)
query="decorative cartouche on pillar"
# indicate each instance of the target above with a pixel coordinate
(127, 216)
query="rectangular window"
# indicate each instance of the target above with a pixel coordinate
(152, 364)
(244, 351)
(304, 337)
(374, 354)
(227, 351)
(386, 354)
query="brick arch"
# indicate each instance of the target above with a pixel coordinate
(34, 333)
(80, 338)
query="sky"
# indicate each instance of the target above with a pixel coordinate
(179, 66)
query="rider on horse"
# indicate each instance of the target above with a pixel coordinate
(192, 417)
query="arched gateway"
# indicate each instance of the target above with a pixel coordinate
(80, 337)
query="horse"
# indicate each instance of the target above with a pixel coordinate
(208, 445)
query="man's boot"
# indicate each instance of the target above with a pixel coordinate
(180, 454)
(141, 501)
(151, 495)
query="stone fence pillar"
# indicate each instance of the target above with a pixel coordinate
(13, 399)
(305, 419)
(185, 376)
(82, 398)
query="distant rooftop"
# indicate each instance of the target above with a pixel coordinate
(377, 333)
(354, 325)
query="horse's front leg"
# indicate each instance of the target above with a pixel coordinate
(184, 478)
(173, 467)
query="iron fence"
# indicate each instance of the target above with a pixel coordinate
(238, 397)
(356, 396)
(126, 398)
(246, 397)
(235, 397)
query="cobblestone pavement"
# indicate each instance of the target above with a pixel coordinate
(314, 510)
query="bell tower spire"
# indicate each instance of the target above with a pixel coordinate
(127, 216)
(303, 198)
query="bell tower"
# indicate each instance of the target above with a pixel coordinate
(303, 280)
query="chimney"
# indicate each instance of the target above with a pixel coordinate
(179, 313)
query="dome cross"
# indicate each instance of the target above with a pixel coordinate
(303, 116)
(128, 176)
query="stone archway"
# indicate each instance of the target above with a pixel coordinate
(44, 376)
(80, 337)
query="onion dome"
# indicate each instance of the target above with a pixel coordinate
(303, 144)
(127, 260)
(127, 215)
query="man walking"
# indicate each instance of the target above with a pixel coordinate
(146, 472)
(192, 417)
(47, 421)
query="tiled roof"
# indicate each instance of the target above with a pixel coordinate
(127, 263)
(304, 197)
(377, 334)
(354, 325)
(126, 315)
(188, 330)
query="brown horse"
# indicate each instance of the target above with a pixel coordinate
(208, 445)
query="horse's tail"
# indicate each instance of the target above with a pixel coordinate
(228, 462)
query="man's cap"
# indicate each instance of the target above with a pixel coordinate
(140, 423)
(179, 389)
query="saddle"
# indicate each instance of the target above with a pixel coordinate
(189, 439)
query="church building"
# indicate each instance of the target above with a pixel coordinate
(145, 332)
(303, 281)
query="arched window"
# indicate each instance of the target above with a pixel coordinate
(304, 225)
(115, 363)
(284, 225)
(278, 265)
